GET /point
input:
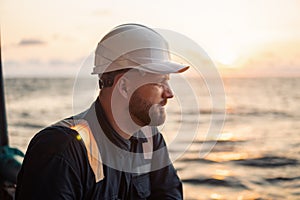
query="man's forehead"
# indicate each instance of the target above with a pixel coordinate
(161, 76)
(156, 77)
(143, 74)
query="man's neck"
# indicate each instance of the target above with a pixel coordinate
(120, 120)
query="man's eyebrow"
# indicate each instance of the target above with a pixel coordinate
(166, 78)
(163, 79)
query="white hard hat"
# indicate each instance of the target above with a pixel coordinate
(134, 46)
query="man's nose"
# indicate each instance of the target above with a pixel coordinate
(168, 93)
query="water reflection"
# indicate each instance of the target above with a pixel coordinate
(226, 156)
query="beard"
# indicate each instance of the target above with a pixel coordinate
(146, 112)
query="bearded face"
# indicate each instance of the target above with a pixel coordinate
(147, 103)
(146, 109)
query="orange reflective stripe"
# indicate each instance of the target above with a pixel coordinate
(85, 134)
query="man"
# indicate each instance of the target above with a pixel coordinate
(113, 150)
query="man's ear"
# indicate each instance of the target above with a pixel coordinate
(123, 86)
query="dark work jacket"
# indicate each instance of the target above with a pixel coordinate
(58, 165)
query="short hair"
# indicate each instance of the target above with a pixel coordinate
(107, 79)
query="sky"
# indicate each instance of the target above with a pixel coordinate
(244, 38)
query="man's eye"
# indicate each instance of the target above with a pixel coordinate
(162, 84)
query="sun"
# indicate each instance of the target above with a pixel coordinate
(226, 56)
(227, 59)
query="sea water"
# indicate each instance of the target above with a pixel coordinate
(255, 155)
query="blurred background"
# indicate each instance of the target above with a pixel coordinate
(255, 46)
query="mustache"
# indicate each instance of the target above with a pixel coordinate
(163, 102)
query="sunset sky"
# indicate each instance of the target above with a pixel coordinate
(243, 37)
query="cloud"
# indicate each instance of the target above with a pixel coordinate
(9, 63)
(36, 67)
(101, 12)
(34, 62)
(28, 42)
(61, 62)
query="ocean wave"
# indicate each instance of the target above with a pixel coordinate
(267, 161)
(200, 160)
(28, 125)
(259, 113)
(282, 179)
(197, 112)
(226, 182)
(219, 141)
(239, 112)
